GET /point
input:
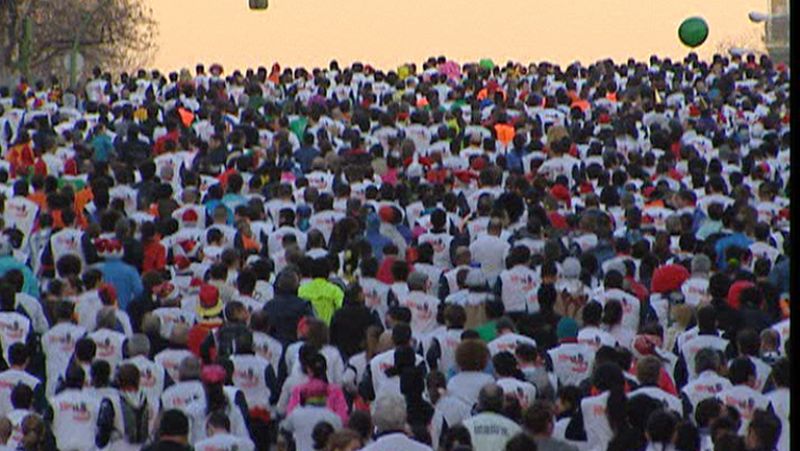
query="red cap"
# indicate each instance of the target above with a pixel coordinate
(189, 216)
(209, 295)
(107, 293)
(561, 193)
(668, 278)
(386, 213)
(735, 291)
(478, 164)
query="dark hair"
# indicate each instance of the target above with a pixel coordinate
(521, 442)
(706, 411)
(21, 396)
(741, 369)
(538, 416)
(687, 437)
(661, 426)
(608, 376)
(321, 433)
(767, 428)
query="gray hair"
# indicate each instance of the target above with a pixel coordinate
(490, 398)
(106, 318)
(389, 412)
(138, 344)
(417, 281)
(707, 359)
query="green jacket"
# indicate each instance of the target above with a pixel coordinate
(324, 296)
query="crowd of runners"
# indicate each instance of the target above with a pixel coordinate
(480, 257)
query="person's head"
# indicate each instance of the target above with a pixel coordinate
(217, 423)
(137, 345)
(648, 370)
(287, 282)
(521, 442)
(389, 412)
(707, 319)
(661, 426)
(18, 355)
(612, 313)
(748, 342)
(490, 399)
(780, 375)
(74, 377)
(174, 427)
(592, 313)
(21, 396)
(344, 440)
(85, 349)
(707, 410)
(609, 377)
(128, 377)
(539, 418)
(707, 359)
(456, 438)
(33, 432)
(417, 281)
(505, 364)
(455, 316)
(189, 369)
(764, 430)
(770, 341)
(472, 355)
(742, 372)
(5, 429)
(360, 421)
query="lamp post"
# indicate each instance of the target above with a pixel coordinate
(776, 34)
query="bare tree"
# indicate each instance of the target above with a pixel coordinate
(118, 34)
(751, 42)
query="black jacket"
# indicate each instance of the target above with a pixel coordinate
(348, 326)
(285, 311)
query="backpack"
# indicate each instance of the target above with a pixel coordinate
(136, 421)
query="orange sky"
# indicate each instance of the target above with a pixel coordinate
(386, 33)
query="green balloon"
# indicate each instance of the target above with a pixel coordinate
(693, 32)
(486, 63)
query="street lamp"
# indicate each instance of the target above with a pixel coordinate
(777, 31)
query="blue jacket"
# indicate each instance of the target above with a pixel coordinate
(735, 239)
(124, 278)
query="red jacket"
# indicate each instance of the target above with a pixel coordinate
(155, 256)
(198, 334)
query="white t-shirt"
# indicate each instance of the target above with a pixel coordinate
(508, 342)
(490, 431)
(75, 419)
(225, 442)
(301, 422)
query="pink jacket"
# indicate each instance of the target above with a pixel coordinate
(334, 398)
